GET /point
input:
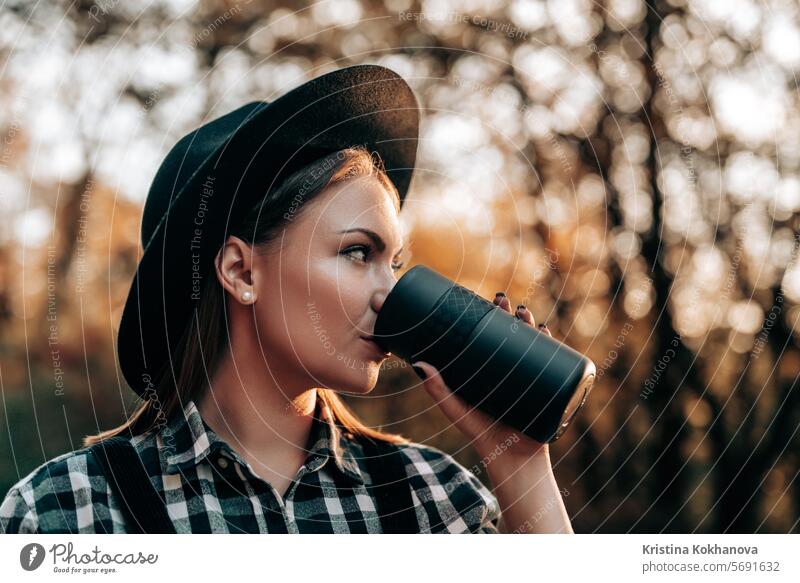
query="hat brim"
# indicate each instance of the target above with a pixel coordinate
(368, 105)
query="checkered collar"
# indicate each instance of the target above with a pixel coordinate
(187, 440)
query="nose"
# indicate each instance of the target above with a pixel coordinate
(380, 296)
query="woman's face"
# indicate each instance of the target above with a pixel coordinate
(320, 290)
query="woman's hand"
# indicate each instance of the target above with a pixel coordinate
(521, 475)
(483, 431)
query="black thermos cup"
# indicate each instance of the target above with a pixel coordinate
(490, 358)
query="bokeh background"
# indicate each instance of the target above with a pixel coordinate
(627, 170)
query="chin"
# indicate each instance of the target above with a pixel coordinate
(365, 380)
(362, 381)
(358, 379)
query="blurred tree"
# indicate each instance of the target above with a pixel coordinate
(626, 169)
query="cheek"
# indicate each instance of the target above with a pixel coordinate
(338, 296)
(314, 322)
(313, 316)
(295, 333)
(304, 336)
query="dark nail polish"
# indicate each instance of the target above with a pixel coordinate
(521, 307)
(419, 371)
(500, 294)
(542, 326)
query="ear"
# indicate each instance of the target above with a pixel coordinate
(233, 264)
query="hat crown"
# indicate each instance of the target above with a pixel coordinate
(382, 90)
(185, 159)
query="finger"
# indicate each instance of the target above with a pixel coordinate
(525, 315)
(545, 329)
(501, 300)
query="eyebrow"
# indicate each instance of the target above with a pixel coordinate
(374, 236)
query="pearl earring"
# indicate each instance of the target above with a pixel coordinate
(247, 296)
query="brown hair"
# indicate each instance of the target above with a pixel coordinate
(198, 352)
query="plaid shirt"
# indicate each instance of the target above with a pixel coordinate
(209, 487)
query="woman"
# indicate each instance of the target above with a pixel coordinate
(241, 428)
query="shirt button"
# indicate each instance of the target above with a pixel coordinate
(222, 462)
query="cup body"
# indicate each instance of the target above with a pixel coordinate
(497, 363)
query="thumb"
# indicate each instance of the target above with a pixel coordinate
(432, 380)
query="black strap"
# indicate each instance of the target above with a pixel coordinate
(143, 507)
(390, 487)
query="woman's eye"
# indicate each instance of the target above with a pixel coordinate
(365, 252)
(360, 249)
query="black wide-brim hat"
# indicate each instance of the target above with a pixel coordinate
(217, 173)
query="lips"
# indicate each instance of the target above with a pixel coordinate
(377, 349)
